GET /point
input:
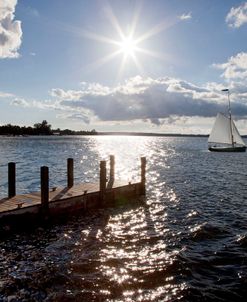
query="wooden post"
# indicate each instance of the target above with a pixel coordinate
(143, 175)
(112, 167)
(102, 185)
(11, 179)
(44, 177)
(70, 172)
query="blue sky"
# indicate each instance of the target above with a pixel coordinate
(153, 66)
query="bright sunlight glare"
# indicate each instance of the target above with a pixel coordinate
(128, 46)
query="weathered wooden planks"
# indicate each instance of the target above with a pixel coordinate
(53, 201)
(30, 199)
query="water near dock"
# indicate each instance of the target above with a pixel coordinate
(188, 243)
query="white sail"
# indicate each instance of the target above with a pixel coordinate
(236, 136)
(221, 132)
(224, 131)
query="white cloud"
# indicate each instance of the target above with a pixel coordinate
(20, 102)
(235, 67)
(237, 16)
(76, 116)
(88, 89)
(185, 16)
(10, 30)
(64, 112)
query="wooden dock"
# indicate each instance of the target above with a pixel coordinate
(52, 202)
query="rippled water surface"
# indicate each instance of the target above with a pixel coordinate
(187, 243)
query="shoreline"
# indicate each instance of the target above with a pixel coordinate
(115, 134)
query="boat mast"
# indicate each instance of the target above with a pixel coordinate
(230, 113)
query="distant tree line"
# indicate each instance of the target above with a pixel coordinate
(40, 129)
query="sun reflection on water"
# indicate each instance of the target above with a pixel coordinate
(132, 251)
(127, 151)
(133, 248)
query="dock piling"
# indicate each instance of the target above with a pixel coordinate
(143, 175)
(112, 167)
(102, 180)
(11, 179)
(70, 172)
(44, 177)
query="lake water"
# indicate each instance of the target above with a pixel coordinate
(187, 243)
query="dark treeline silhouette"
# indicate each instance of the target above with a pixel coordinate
(40, 129)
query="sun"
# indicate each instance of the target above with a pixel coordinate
(128, 46)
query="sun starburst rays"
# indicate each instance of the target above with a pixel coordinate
(114, 21)
(128, 45)
(102, 61)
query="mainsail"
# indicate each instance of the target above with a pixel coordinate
(225, 132)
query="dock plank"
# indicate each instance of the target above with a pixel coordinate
(34, 198)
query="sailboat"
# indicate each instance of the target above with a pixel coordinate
(224, 136)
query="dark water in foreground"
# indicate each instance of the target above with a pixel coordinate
(188, 243)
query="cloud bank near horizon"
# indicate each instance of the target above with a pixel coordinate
(143, 98)
(150, 100)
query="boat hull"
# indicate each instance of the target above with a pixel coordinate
(227, 149)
